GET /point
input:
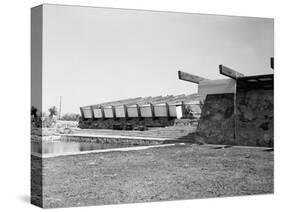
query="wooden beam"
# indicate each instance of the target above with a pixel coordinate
(189, 77)
(229, 72)
(265, 81)
(217, 86)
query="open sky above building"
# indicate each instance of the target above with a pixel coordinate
(93, 55)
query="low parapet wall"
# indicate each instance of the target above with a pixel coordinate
(125, 123)
(115, 139)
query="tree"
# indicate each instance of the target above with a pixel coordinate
(53, 111)
(34, 111)
(70, 117)
(188, 112)
(36, 120)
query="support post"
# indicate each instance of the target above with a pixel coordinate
(152, 111)
(102, 112)
(114, 112)
(139, 111)
(92, 112)
(82, 113)
(125, 111)
(168, 111)
(183, 109)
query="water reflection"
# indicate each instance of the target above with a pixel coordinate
(65, 147)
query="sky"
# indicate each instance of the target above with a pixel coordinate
(93, 55)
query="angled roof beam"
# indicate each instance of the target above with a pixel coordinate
(189, 77)
(229, 72)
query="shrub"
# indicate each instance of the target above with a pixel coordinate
(188, 113)
(36, 120)
(33, 111)
(70, 117)
(48, 122)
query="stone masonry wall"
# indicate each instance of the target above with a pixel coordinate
(216, 124)
(133, 122)
(254, 123)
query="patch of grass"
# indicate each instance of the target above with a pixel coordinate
(167, 173)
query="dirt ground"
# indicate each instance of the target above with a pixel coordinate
(155, 132)
(167, 173)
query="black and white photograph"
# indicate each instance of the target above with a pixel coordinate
(135, 106)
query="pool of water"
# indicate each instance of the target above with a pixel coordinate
(67, 147)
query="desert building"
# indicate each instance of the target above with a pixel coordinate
(236, 111)
(127, 114)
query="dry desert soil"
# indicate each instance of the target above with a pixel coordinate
(158, 174)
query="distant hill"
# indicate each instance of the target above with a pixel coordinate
(170, 99)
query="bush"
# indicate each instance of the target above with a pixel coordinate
(70, 117)
(188, 113)
(84, 124)
(117, 127)
(36, 122)
(48, 122)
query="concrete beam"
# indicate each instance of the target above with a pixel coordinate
(229, 72)
(190, 77)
